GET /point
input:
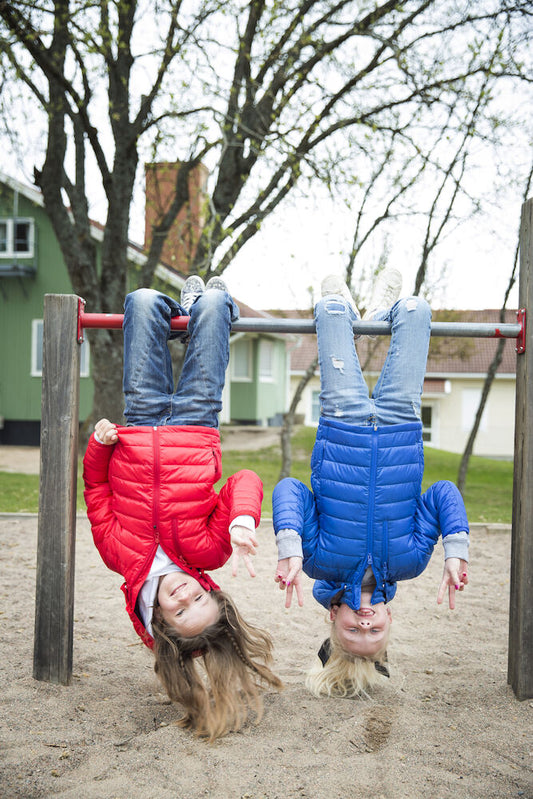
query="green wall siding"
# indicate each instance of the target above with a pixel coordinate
(258, 401)
(21, 301)
(271, 393)
(244, 393)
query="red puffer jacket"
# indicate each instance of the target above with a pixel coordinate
(155, 487)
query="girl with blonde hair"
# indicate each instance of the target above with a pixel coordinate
(365, 524)
(342, 673)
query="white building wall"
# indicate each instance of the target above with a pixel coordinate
(495, 437)
(224, 416)
(305, 405)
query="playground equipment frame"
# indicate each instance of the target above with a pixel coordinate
(64, 322)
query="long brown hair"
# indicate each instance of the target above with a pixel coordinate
(217, 676)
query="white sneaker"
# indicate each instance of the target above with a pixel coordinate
(386, 291)
(216, 283)
(192, 288)
(333, 284)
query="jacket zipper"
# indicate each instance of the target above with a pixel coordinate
(385, 553)
(371, 494)
(157, 470)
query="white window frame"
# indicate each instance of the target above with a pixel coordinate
(266, 361)
(242, 378)
(37, 351)
(10, 251)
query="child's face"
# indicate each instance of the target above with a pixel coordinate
(185, 605)
(362, 632)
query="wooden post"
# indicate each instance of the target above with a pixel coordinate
(54, 601)
(520, 659)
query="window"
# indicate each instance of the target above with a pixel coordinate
(16, 238)
(242, 360)
(22, 237)
(266, 361)
(37, 351)
(427, 422)
(3, 236)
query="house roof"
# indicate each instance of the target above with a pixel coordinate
(27, 191)
(447, 356)
(136, 253)
(247, 311)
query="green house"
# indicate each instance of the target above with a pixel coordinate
(32, 265)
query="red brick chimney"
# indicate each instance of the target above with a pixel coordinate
(182, 240)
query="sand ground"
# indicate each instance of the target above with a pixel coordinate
(445, 725)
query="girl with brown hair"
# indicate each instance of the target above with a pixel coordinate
(157, 520)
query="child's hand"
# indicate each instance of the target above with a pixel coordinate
(244, 544)
(454, 578)
(288, 576)
(106, 432)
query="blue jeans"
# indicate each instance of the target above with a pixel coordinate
(397, 395)
(148, 382)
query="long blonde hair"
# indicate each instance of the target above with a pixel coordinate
(344, 674)
(217, 676)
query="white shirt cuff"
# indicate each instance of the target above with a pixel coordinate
(243, 521)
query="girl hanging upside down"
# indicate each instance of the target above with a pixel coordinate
(365, 524)
(157, 520)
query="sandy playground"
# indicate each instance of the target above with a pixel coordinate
(446, 725)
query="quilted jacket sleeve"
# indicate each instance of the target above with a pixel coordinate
(293, 508)
(441, 510)
(99, 498)
(241, 495)
(288, 506)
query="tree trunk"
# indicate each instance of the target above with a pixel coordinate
(288, 422)
(491, 373)
(106, 369)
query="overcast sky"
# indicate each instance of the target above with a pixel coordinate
(294, 250)
(277, 267)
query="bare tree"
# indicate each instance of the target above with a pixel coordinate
(493, 367)
(288, 421)
(269, 95)
(439, 216)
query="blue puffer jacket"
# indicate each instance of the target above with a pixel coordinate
(366, 509)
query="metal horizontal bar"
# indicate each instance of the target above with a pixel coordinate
(464, 329)
(273, 325)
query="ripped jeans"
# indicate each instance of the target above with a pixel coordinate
(397, 395)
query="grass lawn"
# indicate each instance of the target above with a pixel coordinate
(488, 494)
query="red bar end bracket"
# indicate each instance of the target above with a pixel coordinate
(114, 321)
(521, 338)
(81, 309)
